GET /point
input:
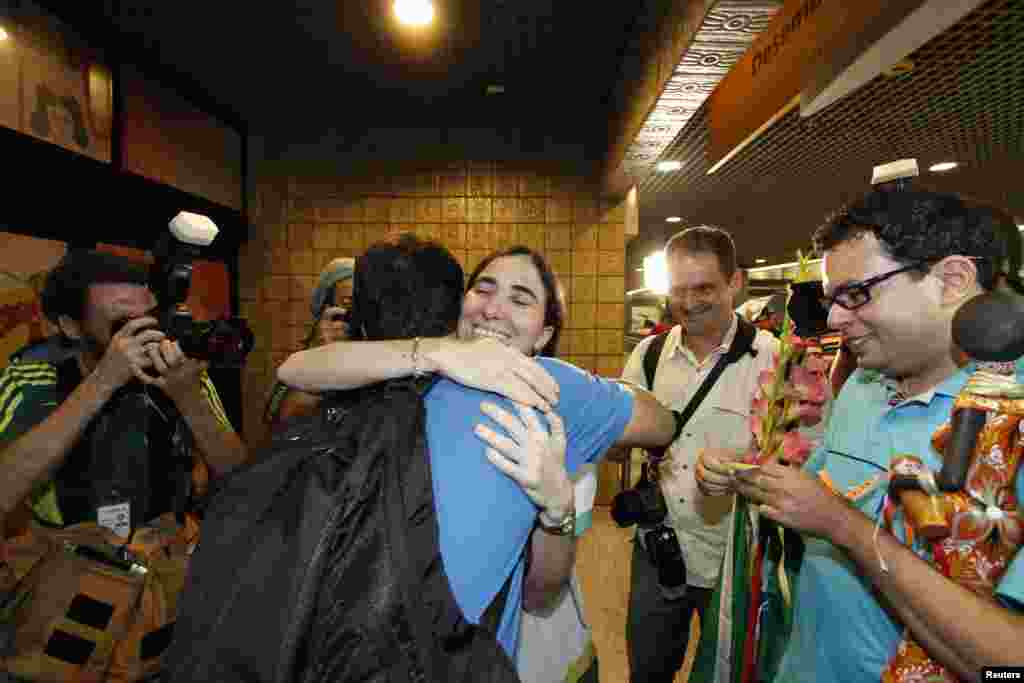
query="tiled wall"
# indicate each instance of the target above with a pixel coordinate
(300, 222)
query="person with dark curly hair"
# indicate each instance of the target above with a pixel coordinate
(897, 267)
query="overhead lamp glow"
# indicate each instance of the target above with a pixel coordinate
(1020, 226)
(666, 166)
(414, 12)
(760, 260)
(673, 219)
(4, 35)
(656, 273)
(944, 166)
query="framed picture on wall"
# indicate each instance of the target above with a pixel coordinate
(56, 87)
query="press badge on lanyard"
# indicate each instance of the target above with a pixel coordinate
(117, 518)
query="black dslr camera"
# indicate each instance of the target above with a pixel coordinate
(644, 505)
(224, 343)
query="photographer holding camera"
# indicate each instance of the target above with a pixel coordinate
(101, 429)
(709, 372)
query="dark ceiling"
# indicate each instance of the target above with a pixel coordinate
(345, 64)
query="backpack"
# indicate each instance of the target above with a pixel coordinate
(320, 560)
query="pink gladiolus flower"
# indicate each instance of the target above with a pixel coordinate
(806, 413)
(796, 447)
(816, 364)
(759, 406)
(810, 413)
(807, 386)
(755, 426)
(766, 380)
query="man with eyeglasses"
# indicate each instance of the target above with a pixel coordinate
(897, 266)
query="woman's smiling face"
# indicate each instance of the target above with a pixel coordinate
(507, 302)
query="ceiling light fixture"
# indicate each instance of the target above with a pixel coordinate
(666, 166)
(760, 260)
(414, 12)
(4, 35)
(673, 219)
(656, 273)
(944, 166)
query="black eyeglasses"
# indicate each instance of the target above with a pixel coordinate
(856, 294)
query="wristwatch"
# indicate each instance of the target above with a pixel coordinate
(566, 527)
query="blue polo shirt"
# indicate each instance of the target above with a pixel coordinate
(485, 518)
(840, 632)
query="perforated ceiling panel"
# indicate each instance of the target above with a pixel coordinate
(963, 101)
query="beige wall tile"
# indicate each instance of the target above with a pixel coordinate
(531, 235)
(505, 210)
(478, 236)
(301, 287)
(403, 210)
(584, 236)
(480, 182)
(277, 288)
(584, 263)
(301, 209)
(611, 289)
(611, 237)
(583, 316)
(534, 185)
(301, 262)
(586, 341)
(454, 210)
(610, 342)
(560, 262)
(426, 184)
(300, 236)
(280, 261)
(610, 366)
(584, 210)
(531, 210)
(341, 209)
(584, 289)
(453, 184)
(567, 342)
(372, 233)
(503, 235)
(350, 237)
(612, 262)
(326, 235)
(611, 316)
(378, 210)
(428, 210)
(613, 211)
(453, 236)
(479, 210)
(558, 236)
(559, 210)
(506, 184)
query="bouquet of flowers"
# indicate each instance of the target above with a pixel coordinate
(791, 395)
(747, 628)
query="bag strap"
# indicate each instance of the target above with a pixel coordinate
(742, 344)
(651, 357)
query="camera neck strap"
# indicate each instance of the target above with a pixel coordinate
(742, 344)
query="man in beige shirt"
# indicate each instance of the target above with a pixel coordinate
(703, 281)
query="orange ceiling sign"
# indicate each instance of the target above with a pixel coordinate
(766, 82)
